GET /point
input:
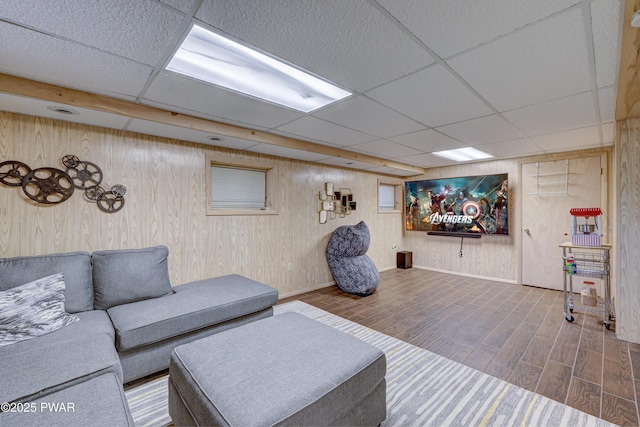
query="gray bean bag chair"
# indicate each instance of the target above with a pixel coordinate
(353, 270)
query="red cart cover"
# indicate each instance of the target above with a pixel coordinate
(585, 211)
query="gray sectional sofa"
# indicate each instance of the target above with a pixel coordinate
(126, 318)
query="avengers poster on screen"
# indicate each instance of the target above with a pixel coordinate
(470, 204)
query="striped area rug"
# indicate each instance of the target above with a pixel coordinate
(423, 389)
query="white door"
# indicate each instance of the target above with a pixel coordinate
(549, 191)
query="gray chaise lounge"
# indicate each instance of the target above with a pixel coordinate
(130, 319)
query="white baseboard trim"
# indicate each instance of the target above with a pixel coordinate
(475, 276)
(323, 285)
(302, 291)
(419, 267)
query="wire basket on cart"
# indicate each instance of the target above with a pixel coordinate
(592, 262)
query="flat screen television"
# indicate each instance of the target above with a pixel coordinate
(470, 204)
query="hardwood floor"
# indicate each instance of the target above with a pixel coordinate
(516, 333)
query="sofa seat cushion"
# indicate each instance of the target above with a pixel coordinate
(128, 275)
(94, 322)
(99, 401)
(76, 267)
(43, 370)
(192, 306)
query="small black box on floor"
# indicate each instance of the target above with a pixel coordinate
(404, 259)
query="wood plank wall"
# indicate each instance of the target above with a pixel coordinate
(627, 249)
(165, 204)
(494, 257)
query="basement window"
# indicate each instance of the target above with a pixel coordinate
(240, 188)
(389, 195)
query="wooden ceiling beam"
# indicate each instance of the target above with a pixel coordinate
(628, 98)
(44, 91)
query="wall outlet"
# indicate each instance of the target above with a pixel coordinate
(394, 247)
(290, 266)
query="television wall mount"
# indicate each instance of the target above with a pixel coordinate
(454, 234)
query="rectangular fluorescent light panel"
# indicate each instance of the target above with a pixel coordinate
(210, 57)
(462, 154)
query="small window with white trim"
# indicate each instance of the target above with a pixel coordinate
(242, 188)
(389, 195)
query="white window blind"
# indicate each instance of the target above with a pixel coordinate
(386, 197)
(237, 188)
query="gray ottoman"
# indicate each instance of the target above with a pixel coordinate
(284, 370)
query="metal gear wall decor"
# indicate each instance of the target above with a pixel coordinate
(88, 176)
(52, 186)
(48, 186)
(13, 172)
(85, 174)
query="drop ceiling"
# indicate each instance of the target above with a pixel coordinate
(509, 77)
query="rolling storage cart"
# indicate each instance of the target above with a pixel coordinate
(586, 261)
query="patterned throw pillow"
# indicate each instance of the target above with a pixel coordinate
(33, 309)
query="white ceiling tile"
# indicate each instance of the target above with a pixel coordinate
(384, 148)
(449, 27)
(181, 5)
(310, 127)
(315, 141)
(433, 96)
(517, 54)
(607, 101)
(317, 35)
(561, 114)
(363, 114)
(30, 106)
(426, 161)
(605, 15)
(173, 91)
(427, 141)
(289, 153)
(184, 134)
(482, 130)
(543, 61)
(513, 148)
(583, 138)
(139, 30)
(69, 64)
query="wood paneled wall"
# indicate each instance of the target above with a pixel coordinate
(165, 204)
(627, 248)
(496, 257)
(493, 257)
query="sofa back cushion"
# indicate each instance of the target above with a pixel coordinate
(128, 275)
(76, 267)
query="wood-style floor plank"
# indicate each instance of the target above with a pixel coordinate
(516, 333)
(618, 410)
(555, 381)
(585, 396)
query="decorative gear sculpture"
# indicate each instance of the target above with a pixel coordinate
(50, 186)
(13, 172)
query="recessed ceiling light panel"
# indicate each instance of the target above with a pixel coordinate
(463, 154)
(210, 57)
